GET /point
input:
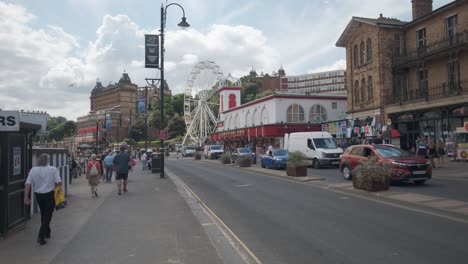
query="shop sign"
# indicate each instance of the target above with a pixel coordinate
(9, 121)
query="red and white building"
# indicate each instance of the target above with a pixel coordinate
(264, 121)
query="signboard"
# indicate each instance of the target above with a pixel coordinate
(141, 105)
(151, 51)
(162, 134)
(16, 161)
(9, 121)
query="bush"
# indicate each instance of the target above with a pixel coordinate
(295, 159)
(372, 176)
(197, 155)
(225, 159)
(244, 161)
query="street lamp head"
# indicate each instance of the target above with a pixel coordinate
(183, 23)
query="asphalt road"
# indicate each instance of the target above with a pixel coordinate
(439, 185)
(286, 222)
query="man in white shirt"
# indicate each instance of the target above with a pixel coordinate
(42, 179)
(144, 161)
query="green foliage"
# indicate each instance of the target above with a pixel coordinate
(178, 104)
(130, 141)
(244, 161)
(59, 128)
(371, 171)
(176, 126)
(264, 94)
(225, 159)
(250, 87)
(295, 159)
(137, 130)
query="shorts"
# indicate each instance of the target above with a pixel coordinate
(120, 176)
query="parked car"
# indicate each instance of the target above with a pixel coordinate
(274, 159)
(241, 152)
(188, 151)
(213, 151)
(405, 167)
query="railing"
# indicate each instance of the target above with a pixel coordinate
(428, 93)
(432, 48)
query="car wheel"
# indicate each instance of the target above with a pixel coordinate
(419, 182)
(316, 164)
(346, 170)
(262, 164)
(273, 165)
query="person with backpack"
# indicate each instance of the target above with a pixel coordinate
(93, 175)
(121, 166)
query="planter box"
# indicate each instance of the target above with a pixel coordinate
(296, 171)
(371, 186)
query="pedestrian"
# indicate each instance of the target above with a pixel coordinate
(73, 166)
(43, 179)
(121, 163)
(178, 154)
(144, 161)
(431, 152)
(93, 175)
(109, 166)
(421, 147)
(440, 147)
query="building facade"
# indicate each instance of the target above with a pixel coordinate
(411, 75)
(330, 82)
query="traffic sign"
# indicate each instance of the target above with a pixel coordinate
(162, 134)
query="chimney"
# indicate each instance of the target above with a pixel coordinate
(421, 8)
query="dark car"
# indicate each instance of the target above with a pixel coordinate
(242, 152)
(274, 159)
(405, 167)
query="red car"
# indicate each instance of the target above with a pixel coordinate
(405, 167)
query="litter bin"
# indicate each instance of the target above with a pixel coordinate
(155, 163)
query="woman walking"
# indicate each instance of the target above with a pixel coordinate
(431, 152)
(440, 147)
(42, 179)
(93, 175)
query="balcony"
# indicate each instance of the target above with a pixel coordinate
(431, 50)
(422, 93)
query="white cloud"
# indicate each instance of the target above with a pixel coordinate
(337, 65)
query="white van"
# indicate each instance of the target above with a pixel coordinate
(188, 151)
(213, 151)
(318, 148)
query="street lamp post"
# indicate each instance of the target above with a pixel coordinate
(146, 119)
(182, 24)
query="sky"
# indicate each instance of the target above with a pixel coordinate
(53, 51)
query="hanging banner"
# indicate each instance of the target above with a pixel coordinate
(16, 161)
(151, 51)
(141, 105)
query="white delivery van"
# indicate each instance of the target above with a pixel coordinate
(213, 151)
(318, 148)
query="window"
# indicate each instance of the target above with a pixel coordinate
(451, 24)
(362, 53)
(397, 45)
(370, 89)
(295, 113)
(422, 83)
(355, 56)
(356, 91)
(453, 69)
(358, 151)
(363, 90)
(421, 38)
(334, 105)
(317, 114)
(369, 50)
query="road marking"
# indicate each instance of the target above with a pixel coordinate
(222, 227)
(243, 185)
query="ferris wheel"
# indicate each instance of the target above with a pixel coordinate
(200, 103)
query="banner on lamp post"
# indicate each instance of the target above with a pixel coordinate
(151, 51)
(141, 105)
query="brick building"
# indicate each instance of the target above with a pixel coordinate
(412, 75)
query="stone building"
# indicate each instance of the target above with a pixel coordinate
(411, 76)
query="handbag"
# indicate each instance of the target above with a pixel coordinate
(60, 201)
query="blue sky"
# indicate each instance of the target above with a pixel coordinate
(49, 44)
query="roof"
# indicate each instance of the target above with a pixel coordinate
(379, 22)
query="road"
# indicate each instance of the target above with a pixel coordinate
(286, 222)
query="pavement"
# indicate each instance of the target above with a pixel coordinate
(152, 223)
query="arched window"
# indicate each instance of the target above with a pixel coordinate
(355, 56)
(317, 114)
(370, 89)
(232, 101)
(265, 117)
(356, 91)
(363, 90)
(237, 121)
(362, 53)
(295, 113)
(256, 118)
(369, 50)
(248, 119)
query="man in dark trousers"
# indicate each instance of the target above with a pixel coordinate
(121, 163)
(42, 179)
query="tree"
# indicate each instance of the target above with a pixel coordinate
(137, 130)
(250, 87)
(59, 127)
(176, 126)
(178, 103)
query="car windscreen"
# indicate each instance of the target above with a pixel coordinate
(280, 152)
(216, 148)
(244, 150)
(390, 152)
(189, 148)
(325, 143)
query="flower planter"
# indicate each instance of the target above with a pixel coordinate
(371, 186)
(296, 171)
